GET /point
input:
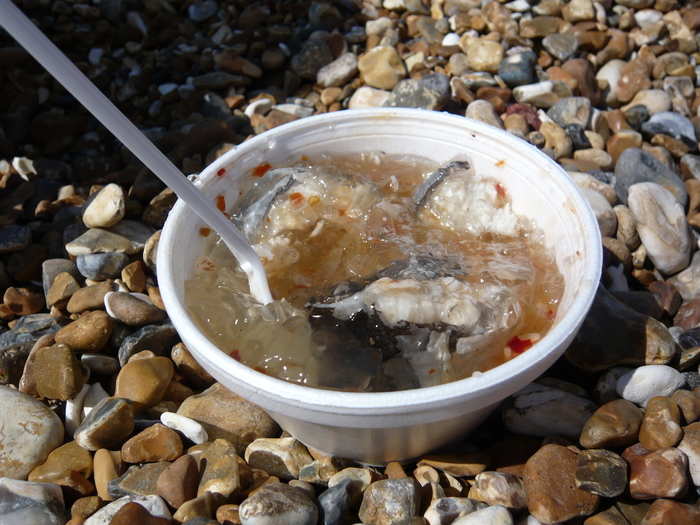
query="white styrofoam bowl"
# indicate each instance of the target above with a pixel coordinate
(387, 426)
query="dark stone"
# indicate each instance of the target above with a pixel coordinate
(15, 344)
(138, 480)
(14, 237)
(672, 124)
(336, 504)
(690, 338)
(314, 54)
(635, 165)
(636, 116)
(576, 133)
(159, 339)
(518, 69)
(101, 266)
(601, 472)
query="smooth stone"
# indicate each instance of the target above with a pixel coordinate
(539, 410)
(51, 268)
(571, 110)
(134, 513)
(313, 55)
(30, 432)
(221, 470)
(339, 72)
(107, 465)
(159, 339)
(615, 424)
(483, 111)
(89, 333)
(89, 298)
(190, 428)
(134, 276)
(549, 479)
(14, 238)
(540, 94)
(132, 310)
(483, 55)
(281, 457)
(687, 282)
(29, 503)
(153, 504)
(518, 69)
(203, 10)
(138, 480)
(601, 472)
(97, 240)
(368, 97)
(645, 382)
(101, 266)
(390, 501)
(607, 220)
(63, 287)
(661, 424)
(53, 372)
(85, 507)
(74, 410)
(662, 226)
(690, 446)
(635, 165)
(499, 488)
(654, 100)
(430, 92)
(443, 511)
(556, 139)
(614, 334)
(381, 67)
(145, 381)
(495, 515)
(580, 141)
(155, 443)
(668, 512)
(106, 209)
(658, 474)
(561, 45)
(107, 425)
(188, 367)
(199, 509)
(610, 73)
(68, 465)
(689, 404)
(672, 124)
(178, 482)
(150, 250)
(226, 415)
(100, 364)
(278, 503)
(335, 504)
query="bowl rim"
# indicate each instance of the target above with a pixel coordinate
(402, 401)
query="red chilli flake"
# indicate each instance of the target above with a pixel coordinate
(518, 345)
(221, 202)
(296, 198)
(221, 172)
(261, 169)
(500, 191)
(204, 232)
(236, 354)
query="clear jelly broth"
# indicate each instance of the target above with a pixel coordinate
(353, 244)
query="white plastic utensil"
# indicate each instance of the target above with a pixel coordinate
(56, 63)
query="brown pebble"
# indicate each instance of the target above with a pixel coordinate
(467, 464)
(133, 513)
(134, 276)
(661, 424)
(69, 466)
(107, 465)
(89, 298)
(658, 474)
(667, 512)
(178, 483)
(145, 381)
(85, 507)
(53, 372)
(615, 424)
(689, 403)
(62, 288)
(22, 301)
(394, 470)
(89, 333)
(188, 367)
(156, 443)
(228, 515)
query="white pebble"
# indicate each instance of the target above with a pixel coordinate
(450, 39)
(645, 382)
(496, 515)
(94, 395)
(74, 410)
(189, 427)
(153, 504)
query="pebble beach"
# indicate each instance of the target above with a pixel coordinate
(105, 416)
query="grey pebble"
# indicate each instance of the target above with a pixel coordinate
(101, 266)
(159, 339)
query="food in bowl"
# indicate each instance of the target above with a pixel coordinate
(389, 273)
